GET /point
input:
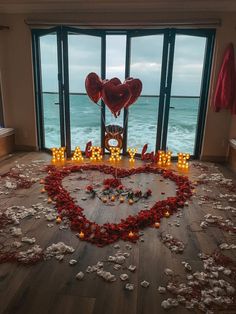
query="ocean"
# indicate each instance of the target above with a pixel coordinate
(142, 123)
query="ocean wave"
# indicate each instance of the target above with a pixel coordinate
(142, 124)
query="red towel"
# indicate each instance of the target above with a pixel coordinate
(225, 88)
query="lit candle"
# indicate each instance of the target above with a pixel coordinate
(131, 201)
(182, 161)
(58, 154)
(113, 198)
(104, 199)
(41, 181)
(77, 156)
(132, 152)
(122, 199)
(58, 220)
(43, 190)
(96, 153)
(49, 200)
(131, 234)
(167, 214)
(157, 225)
(81, 235)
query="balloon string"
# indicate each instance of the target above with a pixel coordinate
(113, 128)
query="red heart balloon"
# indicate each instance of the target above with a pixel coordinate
(93, 85)
(105, 81)
(115, 96)
(135, 86)
(115, 81)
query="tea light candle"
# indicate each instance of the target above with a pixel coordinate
(49, 200)
(113, 198)
(41, 181)
(131, 201)
(58, 220)
(43, 190)
(81, 235)
(131, 234)
(167, 214)
(104, 199)
(132, 152)
(157, 225)
(122, 199)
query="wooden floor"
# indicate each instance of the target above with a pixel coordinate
(51, 287)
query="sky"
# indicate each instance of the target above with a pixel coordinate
(84, 56)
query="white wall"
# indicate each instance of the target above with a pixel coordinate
(17, 80)
(219, 126)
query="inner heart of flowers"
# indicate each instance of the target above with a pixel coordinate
(105, 200)
(127, 228)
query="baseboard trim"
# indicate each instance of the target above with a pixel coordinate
(214, 158)
(25, 148)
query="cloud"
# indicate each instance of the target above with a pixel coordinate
(146, 66)
(146, 61)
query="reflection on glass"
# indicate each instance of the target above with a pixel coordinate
(50, 97)
(186, 85)
(182, 124)
(146, 60)
(84, 56)
(142, 125)
(115, 67)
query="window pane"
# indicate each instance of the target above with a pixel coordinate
(49, 69)
(84, 55)
(146, 61)
(186, 85)
(115, 67)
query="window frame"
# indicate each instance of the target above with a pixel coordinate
(165, 80)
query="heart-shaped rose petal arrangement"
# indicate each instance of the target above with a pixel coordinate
(110, 232)
(114, 94)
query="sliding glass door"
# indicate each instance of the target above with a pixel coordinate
(146, 64)
(115, 67)
(173, 65)
(185, 107)
(48, 87)
(84, 56)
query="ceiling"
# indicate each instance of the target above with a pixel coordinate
(106, 6)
